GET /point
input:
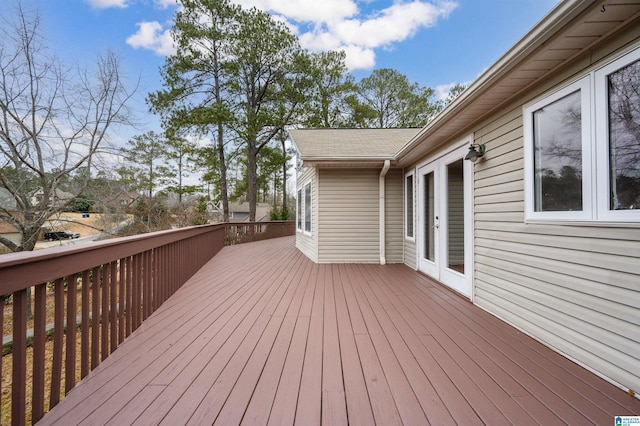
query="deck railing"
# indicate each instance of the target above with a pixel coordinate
(67, 309)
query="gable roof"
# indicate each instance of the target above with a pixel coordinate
(351, 147)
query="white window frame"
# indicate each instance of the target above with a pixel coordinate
(595, 150)
(411, 174)
(602, 148)
(301, 222)
(583, 86)
(304, 202)
(300, 210)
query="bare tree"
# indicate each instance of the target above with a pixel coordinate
(53, 121)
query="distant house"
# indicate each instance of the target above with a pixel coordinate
(121, 201)
(543, 230)
(58, 198)
(239, 212)
(7, 230)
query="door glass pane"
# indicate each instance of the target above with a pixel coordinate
(430, 218)
(557, 139)
(455, 217)
(409, 203)
(307, 207)
(624, 137)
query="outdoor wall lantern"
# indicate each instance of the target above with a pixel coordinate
(475, 151)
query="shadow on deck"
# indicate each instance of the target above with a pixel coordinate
(263, 335)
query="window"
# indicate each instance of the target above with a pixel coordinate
(618, 103)
(307, 208)
(303, 216)
(409, 208)
(557, 148)
(582, 148)
(299, 212)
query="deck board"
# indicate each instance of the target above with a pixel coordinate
(263, 335)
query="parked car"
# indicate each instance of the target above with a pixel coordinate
(60, 235)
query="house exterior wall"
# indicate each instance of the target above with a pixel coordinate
(410, 253)
(394, 216)
(349, 216)
(575, 287)
(305, 242)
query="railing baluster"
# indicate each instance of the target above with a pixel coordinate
(157, 286)
(129, 297)
(39, 342)
(72, 324)
(121, 293)
(95, 317)
(154, 278)
(58, 340)
(104, 312)
(19, 350)
(84, 330)
(135, 288)
(146, 285)
(113, 309)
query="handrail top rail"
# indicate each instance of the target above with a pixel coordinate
(11, 259)
(26, 269)
(18, 258)
(22, 270)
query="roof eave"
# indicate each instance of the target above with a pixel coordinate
(340, 162)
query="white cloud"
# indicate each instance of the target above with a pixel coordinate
(105, 4)
(314, 11)
(358, 57)
(390, 25)
(442, 90)
(165, 4)
(340, 25)
(326, 25)
(151, 36)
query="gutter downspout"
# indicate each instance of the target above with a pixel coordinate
(381, 208)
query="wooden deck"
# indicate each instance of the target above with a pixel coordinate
(261, 335)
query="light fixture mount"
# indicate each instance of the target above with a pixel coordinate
(476, 151)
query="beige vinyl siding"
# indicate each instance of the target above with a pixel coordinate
(574, 287)
(308, 244)
(348, 226)
(410, 253)
(394, 215)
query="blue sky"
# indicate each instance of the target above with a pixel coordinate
(434, 43)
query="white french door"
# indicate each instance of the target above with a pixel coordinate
(444, 220)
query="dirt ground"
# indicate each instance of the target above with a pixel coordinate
(92, 225)
(89, 226)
